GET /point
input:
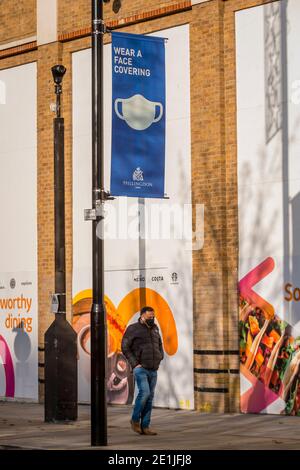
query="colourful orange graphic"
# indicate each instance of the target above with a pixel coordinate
(132, 304)
(120, 386)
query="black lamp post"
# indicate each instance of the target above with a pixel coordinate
(58, 72)
(96, 214)
(60, 338)
(98, 313)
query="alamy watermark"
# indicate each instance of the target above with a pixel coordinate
(153, 221)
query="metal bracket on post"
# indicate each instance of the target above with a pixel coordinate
(98, 211)
(99, 27)
(55, 302)
(90, 214)
(104, 195)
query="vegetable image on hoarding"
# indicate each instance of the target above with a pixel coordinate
(269, 351)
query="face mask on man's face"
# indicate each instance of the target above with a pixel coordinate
(150, 322)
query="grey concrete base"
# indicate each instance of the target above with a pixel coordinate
(22, 426)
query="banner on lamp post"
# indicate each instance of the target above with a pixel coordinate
(138, 116)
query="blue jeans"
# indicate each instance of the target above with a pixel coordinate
(146, 382)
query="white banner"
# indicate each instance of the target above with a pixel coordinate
(156, 271)
(268, 113)
(18, 235)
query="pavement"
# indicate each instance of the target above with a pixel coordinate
(22, 426)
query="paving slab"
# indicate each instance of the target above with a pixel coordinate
(22, 426)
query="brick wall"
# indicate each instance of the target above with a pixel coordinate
(17, 19)
(214, 170)
(77, 15)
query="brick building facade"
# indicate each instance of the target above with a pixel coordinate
(214, 157)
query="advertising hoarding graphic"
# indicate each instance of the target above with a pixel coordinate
(18, 237)
(157, 271)
(268, 114)
(123, 303)
(138, 115)
(120, 387)
(269, 351)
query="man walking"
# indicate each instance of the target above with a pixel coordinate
(142, 347)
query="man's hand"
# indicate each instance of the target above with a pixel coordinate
(136, 367)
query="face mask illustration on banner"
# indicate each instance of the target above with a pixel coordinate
(138, 112)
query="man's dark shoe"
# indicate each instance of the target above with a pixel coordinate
(149, 432)
(136, 427)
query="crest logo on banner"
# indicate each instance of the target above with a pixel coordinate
(138, 175)
(138, 116)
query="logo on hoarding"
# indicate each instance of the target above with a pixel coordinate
(12, 283)
(157, 278)
(138, 175)
(174, 278)
(139, 278)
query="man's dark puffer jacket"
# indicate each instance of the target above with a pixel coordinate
(142, 345)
